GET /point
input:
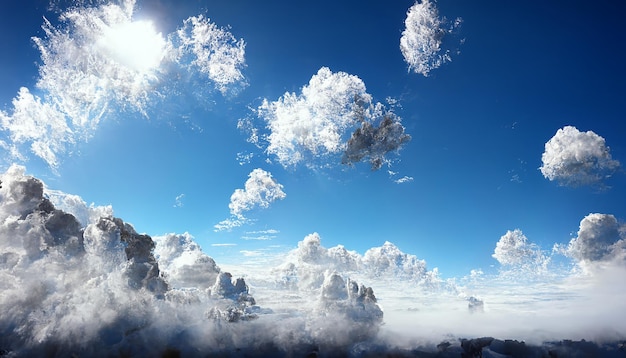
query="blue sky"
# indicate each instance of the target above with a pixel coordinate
(479, 123)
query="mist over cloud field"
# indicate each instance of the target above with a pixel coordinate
(349, 193)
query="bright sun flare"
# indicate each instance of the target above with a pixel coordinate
(135, 45)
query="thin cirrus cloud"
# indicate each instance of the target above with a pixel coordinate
(333, 115)
(100, 60)
(260, 190)
(422, 39)
(575, 158)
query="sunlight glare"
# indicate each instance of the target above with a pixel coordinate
(135, 45)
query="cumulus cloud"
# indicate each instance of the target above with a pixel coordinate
(575, 158)
(513, 250)
(260, 190)
(305, 267)
(316, 124)
(100, 60)
(422, 39)
(600, 237)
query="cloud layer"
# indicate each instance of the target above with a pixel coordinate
(100, 60)
(422, 39)
(574, 158)
(332, 115)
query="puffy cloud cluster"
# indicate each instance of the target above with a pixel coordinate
(600, 238)
(575, 158)
(306, 266)
(513, 250)
(259, 190)
(421, 41)
(100, 60)
(317, 123)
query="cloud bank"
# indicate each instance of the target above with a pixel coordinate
(422, 39)
(574, 158)
(102, 289)
(260, 190)
(332, 115)
(100, 60)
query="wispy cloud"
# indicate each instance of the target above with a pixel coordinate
(422, 39)
(260, 190)
(575, 158)
(178, 201)
(404, 179)
(223, 245)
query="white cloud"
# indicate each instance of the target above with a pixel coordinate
(404, 179)
(99, 61)
(422, 38)
(316, 124)
(600, 237)
(178, 201)
(216, 52)
(223, 245)
(38, 123)
(260, 190)
(575, 158)
(515, 251)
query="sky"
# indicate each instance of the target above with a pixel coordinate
(475, 118)
(416, 147)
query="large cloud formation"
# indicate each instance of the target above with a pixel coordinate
(259, 190)
(421, 41)
(100, 60)
(575, 158)
(102, 289)
(317, 123)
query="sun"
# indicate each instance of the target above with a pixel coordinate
(135, 45)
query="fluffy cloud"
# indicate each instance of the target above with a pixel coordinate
(306, 266)
(575, 158)
(260, 190)
(421, 41)
(317, 123)
(600, 237)
(98, 61)
(514, 250)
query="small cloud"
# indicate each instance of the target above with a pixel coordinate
(513, 250)
(223, 245)
(421, 41)
(260, 190)
(244, 158)
(261, 235)
(251, 253)
(178, 202)
(404, 179)
(575, 158)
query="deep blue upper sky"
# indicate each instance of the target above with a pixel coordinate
(478, 123)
